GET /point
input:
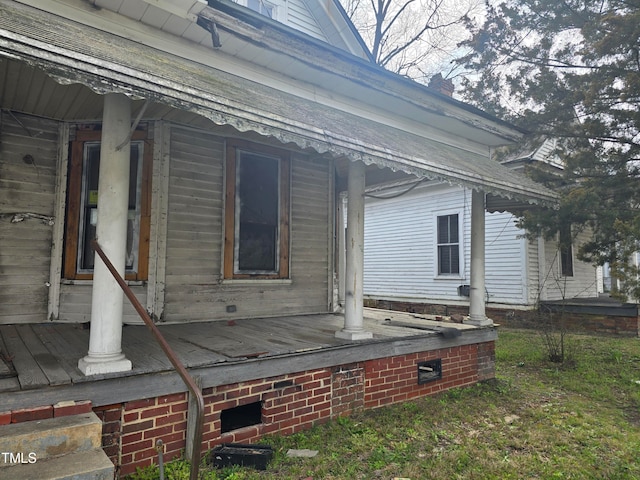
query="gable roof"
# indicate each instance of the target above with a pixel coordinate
(327, 17)
(74, 53)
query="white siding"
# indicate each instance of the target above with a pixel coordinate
(295, 14)
(400, 249)
(25, 247)
(583, 283)
(534, 274)
(505, 260)
(194, 290)
(300, 18)
(400, 245)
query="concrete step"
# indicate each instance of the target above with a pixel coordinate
(52, 437)
(83, 465)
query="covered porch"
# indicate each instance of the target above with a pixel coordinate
(41, 360)
(258, 376)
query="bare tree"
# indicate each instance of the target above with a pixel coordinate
(414, 38)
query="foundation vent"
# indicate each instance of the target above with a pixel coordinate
(429, 371)
(240, 417)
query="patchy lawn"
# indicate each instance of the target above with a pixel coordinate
(537, 420)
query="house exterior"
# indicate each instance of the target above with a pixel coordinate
(520, 273)
(205, 145)
(417, 250)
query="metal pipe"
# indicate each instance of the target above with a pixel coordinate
(182, 371)
(160, 458)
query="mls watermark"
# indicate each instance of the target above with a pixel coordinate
(18, 458)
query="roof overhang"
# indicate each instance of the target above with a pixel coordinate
(71, 52)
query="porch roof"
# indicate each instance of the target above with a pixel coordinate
(71, 52)
(45, 356)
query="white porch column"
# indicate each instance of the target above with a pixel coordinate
(353, 309)
(477, 315)
(105, 338)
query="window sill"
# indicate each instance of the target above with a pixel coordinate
(256, 281)
(131, 283)
(458, 278)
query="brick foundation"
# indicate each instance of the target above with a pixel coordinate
(111, 416)
(290, 403)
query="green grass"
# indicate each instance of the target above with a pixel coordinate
(537, 420)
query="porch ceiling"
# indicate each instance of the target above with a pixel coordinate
(75, 54)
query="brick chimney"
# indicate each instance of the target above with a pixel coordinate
(442, 85)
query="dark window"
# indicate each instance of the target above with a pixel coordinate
(566, 251)
(448, 245)
(257, 212)
(82, 205)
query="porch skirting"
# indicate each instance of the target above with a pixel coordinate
(289, 403)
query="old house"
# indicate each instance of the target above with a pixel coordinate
(428, 225)
(205, 146)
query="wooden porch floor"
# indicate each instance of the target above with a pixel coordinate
(45, 356)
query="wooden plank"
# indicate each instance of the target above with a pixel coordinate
(9, 384)
(46, 360)
(190, 353)
(211, 336)
(302, 332)
(145, 354)
(57, 338)
(6, 370)
(29, 373)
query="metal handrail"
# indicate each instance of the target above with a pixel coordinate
(182, 371)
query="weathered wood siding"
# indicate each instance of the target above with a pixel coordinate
(75, 303)
(400, 249)
(194, 289)
(26, 186)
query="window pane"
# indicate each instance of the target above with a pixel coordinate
(91, 167)
(455, 259)
(453, 228)
(89, 207)
(443, 229)
(257, 206)
(448, 259)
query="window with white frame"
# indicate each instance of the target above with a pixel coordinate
(448, 240)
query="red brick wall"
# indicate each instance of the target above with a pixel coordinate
(111, 416)
(60, 409)
(394, 379)
(290, 403)
(144, 422)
